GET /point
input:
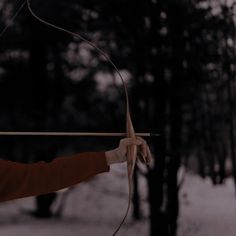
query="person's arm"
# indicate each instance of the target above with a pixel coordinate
(22, 180)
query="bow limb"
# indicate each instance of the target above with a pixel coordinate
(131, 160)
(132, 150)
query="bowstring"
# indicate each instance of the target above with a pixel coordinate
(3, 31)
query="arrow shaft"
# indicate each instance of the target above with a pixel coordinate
(90, 134)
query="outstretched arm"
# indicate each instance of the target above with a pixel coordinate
(22, 180)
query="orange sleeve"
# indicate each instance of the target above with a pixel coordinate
(22, 180)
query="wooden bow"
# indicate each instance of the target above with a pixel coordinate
(130, 133)
(131, 160)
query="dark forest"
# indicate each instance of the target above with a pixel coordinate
(178, 60)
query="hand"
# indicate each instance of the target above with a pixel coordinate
(118, 155)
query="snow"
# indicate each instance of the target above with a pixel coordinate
(92, 208)
(207, 210)
(97, 207)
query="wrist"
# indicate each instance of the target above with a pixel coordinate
(108, 155)
(111, 156)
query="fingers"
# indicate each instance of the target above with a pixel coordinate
(150, 157)
(144, 150)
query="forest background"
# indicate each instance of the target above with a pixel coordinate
(178, 59)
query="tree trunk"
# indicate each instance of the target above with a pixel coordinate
(40, 95)
(176, 27)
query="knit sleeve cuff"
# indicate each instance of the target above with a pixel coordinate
(100, 162)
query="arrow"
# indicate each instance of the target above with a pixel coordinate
(90, 134)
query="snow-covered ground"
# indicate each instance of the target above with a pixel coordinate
(93, 208)
(207, 210)
(96, 208)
